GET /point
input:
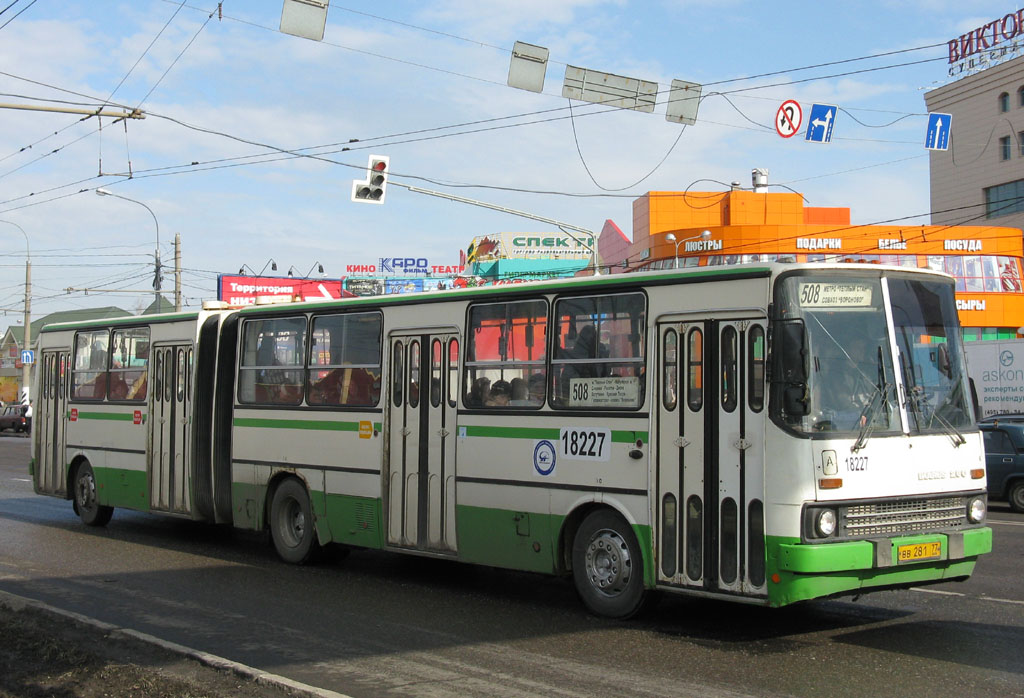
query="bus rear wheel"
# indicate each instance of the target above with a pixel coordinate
(291, 523)
(87, 504)
(607, 566)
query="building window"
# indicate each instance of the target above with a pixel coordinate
(1020, 143)
(1004, 199)
(1004, 148)
(1004, 102)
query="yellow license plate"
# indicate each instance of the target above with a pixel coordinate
(918, 552)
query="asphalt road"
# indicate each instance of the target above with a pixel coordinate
(379, 624)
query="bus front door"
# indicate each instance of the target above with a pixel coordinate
(420, 463)
(170, 428)
(49, 422)
(710, 471)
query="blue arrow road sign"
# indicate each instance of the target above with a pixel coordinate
(937, 137)
(27, 356)
(822, 119)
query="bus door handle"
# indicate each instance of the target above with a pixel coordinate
(406, 431)
(442, 432)
(681, 442)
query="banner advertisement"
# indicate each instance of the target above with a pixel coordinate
(244, 290)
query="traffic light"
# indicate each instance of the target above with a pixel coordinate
(372, 189)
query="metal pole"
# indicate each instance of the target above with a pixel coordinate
(177, 272)
(156, 256)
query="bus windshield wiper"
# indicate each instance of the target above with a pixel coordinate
(879, 397)
(914, 399)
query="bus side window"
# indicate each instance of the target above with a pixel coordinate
(695, 370)
(506, 352)
(670, 377)
(397, 373)
(89, 375)
(755, 368)
(601, 359)
(453, 372)
(345, 360)
(729, 369)
(272, 361)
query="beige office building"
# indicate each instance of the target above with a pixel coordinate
(979, 180)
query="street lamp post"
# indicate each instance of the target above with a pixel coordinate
(26, 368)
(156, 277)
(672, 238)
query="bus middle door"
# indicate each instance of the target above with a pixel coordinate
(170, 428)
(420, 468)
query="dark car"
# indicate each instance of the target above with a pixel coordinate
(13, 418)
(1004, 460)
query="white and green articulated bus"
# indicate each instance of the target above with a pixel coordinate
(768, 433)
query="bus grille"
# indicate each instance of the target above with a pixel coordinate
(904, 516)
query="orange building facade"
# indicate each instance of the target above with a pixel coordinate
(751, 226)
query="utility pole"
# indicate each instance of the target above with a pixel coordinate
(177, 272)
(26, 367)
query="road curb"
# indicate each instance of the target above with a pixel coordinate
(18, 603)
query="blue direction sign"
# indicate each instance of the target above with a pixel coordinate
(27, 356)
(937, 137)
(822, 119)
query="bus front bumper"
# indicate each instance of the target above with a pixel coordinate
(806, 571)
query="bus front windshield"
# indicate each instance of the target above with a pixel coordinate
(837, 373)
(931, 355)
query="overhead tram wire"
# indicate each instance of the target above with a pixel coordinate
(296, 152)
(144, 53)
(16, 15)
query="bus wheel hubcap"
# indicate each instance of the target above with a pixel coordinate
(608, 563)
(86, 491)
(295, 523)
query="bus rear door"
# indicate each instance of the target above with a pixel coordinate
(49, 422)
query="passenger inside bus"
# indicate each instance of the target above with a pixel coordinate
(501, 393)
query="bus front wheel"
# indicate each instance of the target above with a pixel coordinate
(291, 523)
(87, 504)
(607, 566)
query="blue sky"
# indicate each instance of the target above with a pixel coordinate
(424, 83)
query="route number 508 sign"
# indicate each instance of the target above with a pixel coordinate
(788, 118)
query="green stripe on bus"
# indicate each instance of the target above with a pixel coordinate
(618, 436)
(108, 416)
(319, 425)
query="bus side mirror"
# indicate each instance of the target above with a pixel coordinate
(943, 363)
(791, 352)
(794, 400)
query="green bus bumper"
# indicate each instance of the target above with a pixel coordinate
(799, 571)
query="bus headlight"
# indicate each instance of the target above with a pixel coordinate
(976, 510)
(825, 523)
